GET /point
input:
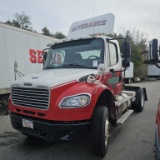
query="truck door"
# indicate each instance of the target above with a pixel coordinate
(113, 79)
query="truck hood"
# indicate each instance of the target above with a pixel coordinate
(53, 77)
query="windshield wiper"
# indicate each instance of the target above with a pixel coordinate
(72, 65)
(68, 65)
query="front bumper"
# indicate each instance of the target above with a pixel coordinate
(48, 130)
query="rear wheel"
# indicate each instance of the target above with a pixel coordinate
(100, 131)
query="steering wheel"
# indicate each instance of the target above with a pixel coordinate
(93, 57)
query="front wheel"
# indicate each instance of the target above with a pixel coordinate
(100, 130)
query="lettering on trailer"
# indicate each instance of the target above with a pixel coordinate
(89, 25)
(36, 56)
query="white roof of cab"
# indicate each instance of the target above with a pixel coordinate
(77, 38)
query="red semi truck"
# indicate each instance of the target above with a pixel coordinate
(157, 134)
(71, 95)
(154, 59)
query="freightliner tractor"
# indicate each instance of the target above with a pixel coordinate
(154, 59)
(80, 88)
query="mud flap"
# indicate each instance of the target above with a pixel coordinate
(145, 94)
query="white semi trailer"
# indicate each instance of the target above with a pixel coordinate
(20, 54)
(129, 73)
(153, 71)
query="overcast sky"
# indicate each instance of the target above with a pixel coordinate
(58, 15)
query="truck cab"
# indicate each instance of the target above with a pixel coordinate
(80, 88)
(86, 54)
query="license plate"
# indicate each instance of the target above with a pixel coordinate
(27, 123)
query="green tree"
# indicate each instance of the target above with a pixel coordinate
(59, 35)
(137, 40)
(16, 24)
(8, 22)
(45, 31)
(13, 23)
(21, 21)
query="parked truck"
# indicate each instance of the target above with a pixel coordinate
(129, 73)
(80, 88)
(154, 59)
(153, 71)
(20, 54)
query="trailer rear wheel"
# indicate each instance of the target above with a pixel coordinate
(100, 131)
(141, 101)
(128, 80)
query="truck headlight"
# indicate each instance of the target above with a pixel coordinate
(75, 101)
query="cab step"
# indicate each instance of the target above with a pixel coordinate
(124, 117)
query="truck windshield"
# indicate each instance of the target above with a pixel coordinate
(86, 53)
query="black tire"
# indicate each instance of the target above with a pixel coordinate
(128, 80)
(100, 131)
(141, 101)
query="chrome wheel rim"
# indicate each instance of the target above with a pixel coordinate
(106, 132)
(142, 100)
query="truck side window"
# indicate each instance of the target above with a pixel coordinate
(112, 54)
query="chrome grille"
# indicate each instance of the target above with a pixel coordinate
(30, 97)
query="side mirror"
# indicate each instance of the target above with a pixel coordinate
(126, 49)
(153, 50)
(44, 56)
(101, 69)
(125, 62)
(45, 53)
